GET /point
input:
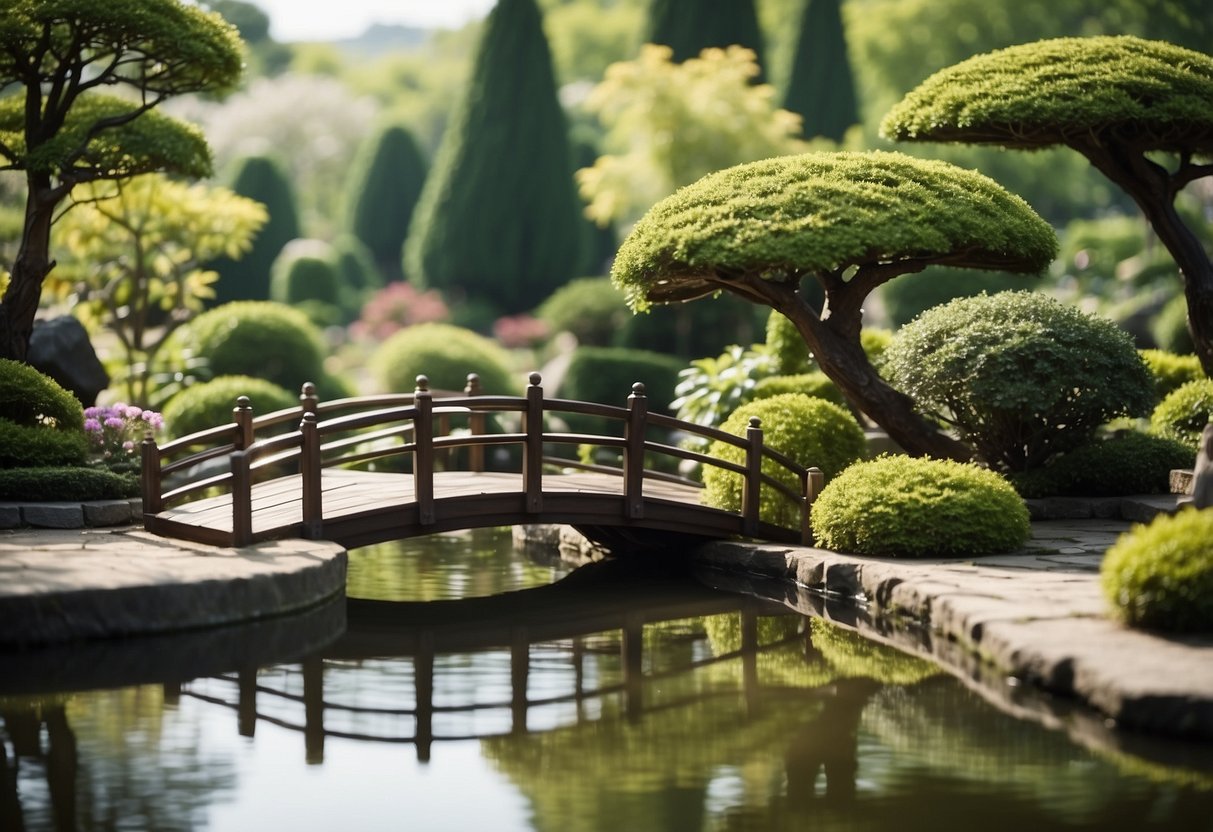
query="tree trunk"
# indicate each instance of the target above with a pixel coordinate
(844, 361)
(19, 305)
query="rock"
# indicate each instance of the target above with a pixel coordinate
(60, 348)
(1202, 475)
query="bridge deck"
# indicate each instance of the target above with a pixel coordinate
(361, 507)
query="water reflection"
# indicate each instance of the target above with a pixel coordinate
(606, 700)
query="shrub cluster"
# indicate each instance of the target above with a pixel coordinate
(1160, 576)
(1128, 463)
(589, 307)
(787, 346)
(66, 483)
(445, 354)
(211, 403)
(606, 375)
(899, 506)
(40, 422)
(1183, 414)
(1019, 375)
(816, 385)
(812, 432)
(1170, 370)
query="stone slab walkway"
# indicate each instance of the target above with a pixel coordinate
(1037, 616)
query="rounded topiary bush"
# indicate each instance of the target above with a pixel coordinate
(1128, 463)
(1160, 576)
(305, 270)
(1020, 376)
(73, 482)
(445, 354)
(27, 397)
(1183, 414)
(25, 446)
(589, 307)
(817, 385)
(787, 346)
(606, 375)
(1170, 370)
(899, 506)
(812, 432)
(211, 403)
(261, 339)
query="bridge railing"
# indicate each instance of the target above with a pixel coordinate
(424, 428)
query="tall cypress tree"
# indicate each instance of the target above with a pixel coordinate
(498, 218)
(821, 87)
(382, 193)
(263, 179)
(690, 26)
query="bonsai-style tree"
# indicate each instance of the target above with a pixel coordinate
(850, 221)
(55, 127)
(1141, 111)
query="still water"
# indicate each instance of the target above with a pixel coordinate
(466, 687)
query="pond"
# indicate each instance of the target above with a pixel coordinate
(465, 686)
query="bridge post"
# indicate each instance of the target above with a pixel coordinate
(309, 469)
(149, 468)
(308, 400)
(633, 453)
(423, 456)
(475, 426)
(532, 449)
(812, 481)
(751, 488)
(242, 499)
(242, 415)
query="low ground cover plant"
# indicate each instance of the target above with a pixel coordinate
(1159, 576)
(813, 432)
(899, 506)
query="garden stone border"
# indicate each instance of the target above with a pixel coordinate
(71, 514)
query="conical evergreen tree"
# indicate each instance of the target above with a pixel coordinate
(263, 179)
(498, 219)
(821, 87)
(690, 26)
(382, 194)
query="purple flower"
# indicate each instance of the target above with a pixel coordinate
(91, 425)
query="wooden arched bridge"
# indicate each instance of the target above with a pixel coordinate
(363, 470)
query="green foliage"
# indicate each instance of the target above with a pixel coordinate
(262, 179)
(874, 343)
(29, 398)
(1153, 94)
(821, 213)
(255, 338)
(1183, 414)
(498, 219)
(668, 124)
(820, 86)
(606, 375)
(1170, 370)
(712, 388)
(30, 446)
(210, 403)
(1019, 375)
(812, 432)
(787, 346)
(1170, 328)
(898, 506)
(357, 274)
(305, 270)
(689, 330)
(688, 27)
(1119, 466)
(1160, 576)
(589, 307)
(56, 482)
(816, 385)
(910, 295)
(445, 354)
(382, 192)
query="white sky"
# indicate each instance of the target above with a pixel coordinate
(294, 20)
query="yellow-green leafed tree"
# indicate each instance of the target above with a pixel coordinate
(134, 253)
(60, 131)
(668, 124)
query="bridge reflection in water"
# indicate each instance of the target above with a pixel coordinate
(600, 612)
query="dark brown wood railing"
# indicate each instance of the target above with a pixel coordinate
(429, 429)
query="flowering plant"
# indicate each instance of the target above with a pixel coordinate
(114, 432)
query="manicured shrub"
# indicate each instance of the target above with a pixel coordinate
(787, 346)
(445, 354)
(1019, 375)
(28, 397)
(305, 270)
(910, 295)
(1170, 370)
(589, 307)
(812, 432)
(606, 375)
(32, 446)
(690, 330)
(66, 483)
(1129, 463)
(264, 340)
(816, 385)
(210, 403)
(898, 506)
(1160, 576)
(1183, 414)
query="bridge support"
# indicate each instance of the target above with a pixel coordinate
(633, 452)
(532, 448)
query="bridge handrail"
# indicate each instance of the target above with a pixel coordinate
(338, 433)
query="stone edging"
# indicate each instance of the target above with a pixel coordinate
(70, 514)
